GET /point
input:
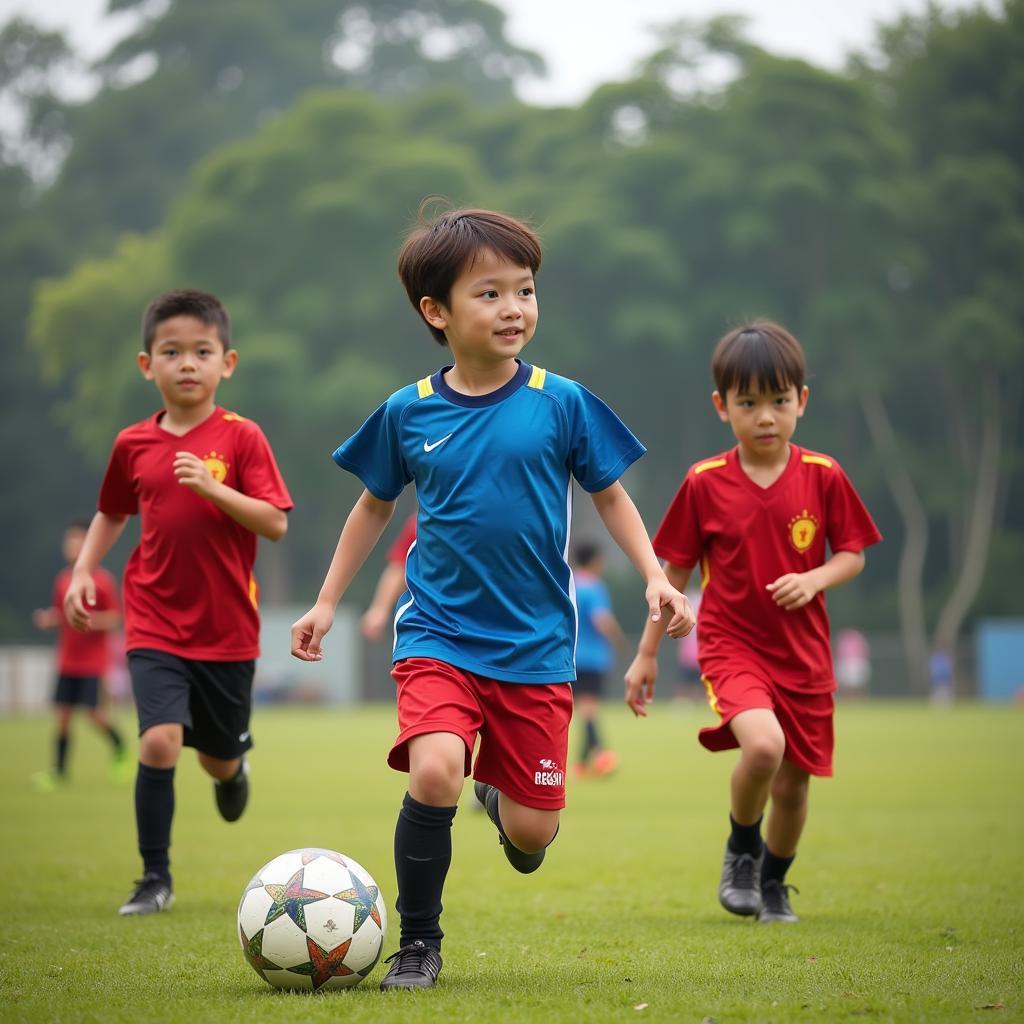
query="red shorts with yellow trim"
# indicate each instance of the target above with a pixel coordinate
(523, 727)
(806, 718)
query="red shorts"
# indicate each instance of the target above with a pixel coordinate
(523, 727)
(806, 718)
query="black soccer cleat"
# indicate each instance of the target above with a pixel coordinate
(524, 863)
(233, 794)
(415, 965)
(739, 891)
(152, 894)
(775, 903)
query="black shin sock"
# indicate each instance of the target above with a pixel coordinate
(591, 741)
(773, 869)
(745, 838)
(154, 810)
(423, 853)
(61, 765)
(115, 738)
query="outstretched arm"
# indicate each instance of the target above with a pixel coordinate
(254, 514)
(627, 529)
(642, 673)
(102, 535)
(362, 530)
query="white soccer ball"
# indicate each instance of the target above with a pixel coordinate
(312, 919)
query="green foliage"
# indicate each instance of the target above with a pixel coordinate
(904, 873)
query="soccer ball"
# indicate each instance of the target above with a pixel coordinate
(312, 919)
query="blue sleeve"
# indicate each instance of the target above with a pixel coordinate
(602, 447)
(602, 599)
(373, 454)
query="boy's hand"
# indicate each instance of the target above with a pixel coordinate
(793, 590)
(640, 677)
(372, 624)
(79, 598)
(661, 594)
(309, 631)
(192, 472)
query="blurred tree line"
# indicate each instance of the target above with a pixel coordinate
(276, 153)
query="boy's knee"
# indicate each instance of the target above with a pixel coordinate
(160, 746)
(529, 829)
(436, 781)
(763, 754)
(790, 791)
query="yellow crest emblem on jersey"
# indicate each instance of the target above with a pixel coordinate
(216, 463)
(802, 530)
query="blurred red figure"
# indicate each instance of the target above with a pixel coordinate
(391, 584)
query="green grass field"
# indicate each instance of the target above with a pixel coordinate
(911, 876)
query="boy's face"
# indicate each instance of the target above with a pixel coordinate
(74, 537)
(491, 313)
(187, 361)
(763, 421)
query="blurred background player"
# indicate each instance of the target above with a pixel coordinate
(205, 484)
(773, 526)
(83, 660)
(853, 663)
(689, 689)
(597, 638)
(390, 586)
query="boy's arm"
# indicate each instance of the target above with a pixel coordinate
(795, 589)
(47, 618)
(627, 529)
(362, 530)
(642, 673)
(255, 514)
(101, 536)
(389, 587)
(608, 626)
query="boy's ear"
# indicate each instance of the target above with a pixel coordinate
(434, 313)
(719, 403)
(230, 362)
(805, 393)
(145, 361)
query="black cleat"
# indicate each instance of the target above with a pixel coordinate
(233, 795)
(740, 890)
(522, 862)
(152, 894)
(416, 965)
(775, 903)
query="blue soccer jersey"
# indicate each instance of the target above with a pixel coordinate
(489, 584)
(593, 651)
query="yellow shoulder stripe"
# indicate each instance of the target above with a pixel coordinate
(537, 378)
(424, 387)
(233, 417)
(710, 464)
(817, 460)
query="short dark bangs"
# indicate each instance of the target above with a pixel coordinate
(762, 354)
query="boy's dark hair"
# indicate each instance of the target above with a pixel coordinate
(763, 353)
(444, 244)
(585, 551)
(203, 306)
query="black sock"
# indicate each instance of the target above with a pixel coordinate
(115, 738)
(62, 755)
(154, 810)
(423, 853)
(773, 869)
(591, 741)
(745, 838)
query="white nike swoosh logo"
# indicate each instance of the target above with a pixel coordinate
(427, 447)
(243, 737)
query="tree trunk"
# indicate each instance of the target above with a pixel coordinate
(915, 542)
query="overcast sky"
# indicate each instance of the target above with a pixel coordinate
(586, 42)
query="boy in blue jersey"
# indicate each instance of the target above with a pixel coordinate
(598, 635)
(485, 631)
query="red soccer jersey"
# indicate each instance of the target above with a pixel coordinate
(745, 537)
(189, 588)
(84, 654)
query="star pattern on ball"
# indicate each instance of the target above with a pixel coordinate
(253, 950)
(364, 899)
(308, 856)
(322, 966)
(291, 899)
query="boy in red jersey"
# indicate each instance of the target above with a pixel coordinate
(206, 484)
(757, 519)
(82, 658)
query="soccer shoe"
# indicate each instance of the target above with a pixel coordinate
(152, 894)
(233, 794)
(121, 768)
(416, 965)
(580, 770)
(522, 862)
(775, 903)
(606, 762)
(46, 782)
(739, 890)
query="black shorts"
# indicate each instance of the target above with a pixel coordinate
(211, 699)
(84, 690)
(588, 683)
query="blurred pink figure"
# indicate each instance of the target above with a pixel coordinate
(853, 663)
